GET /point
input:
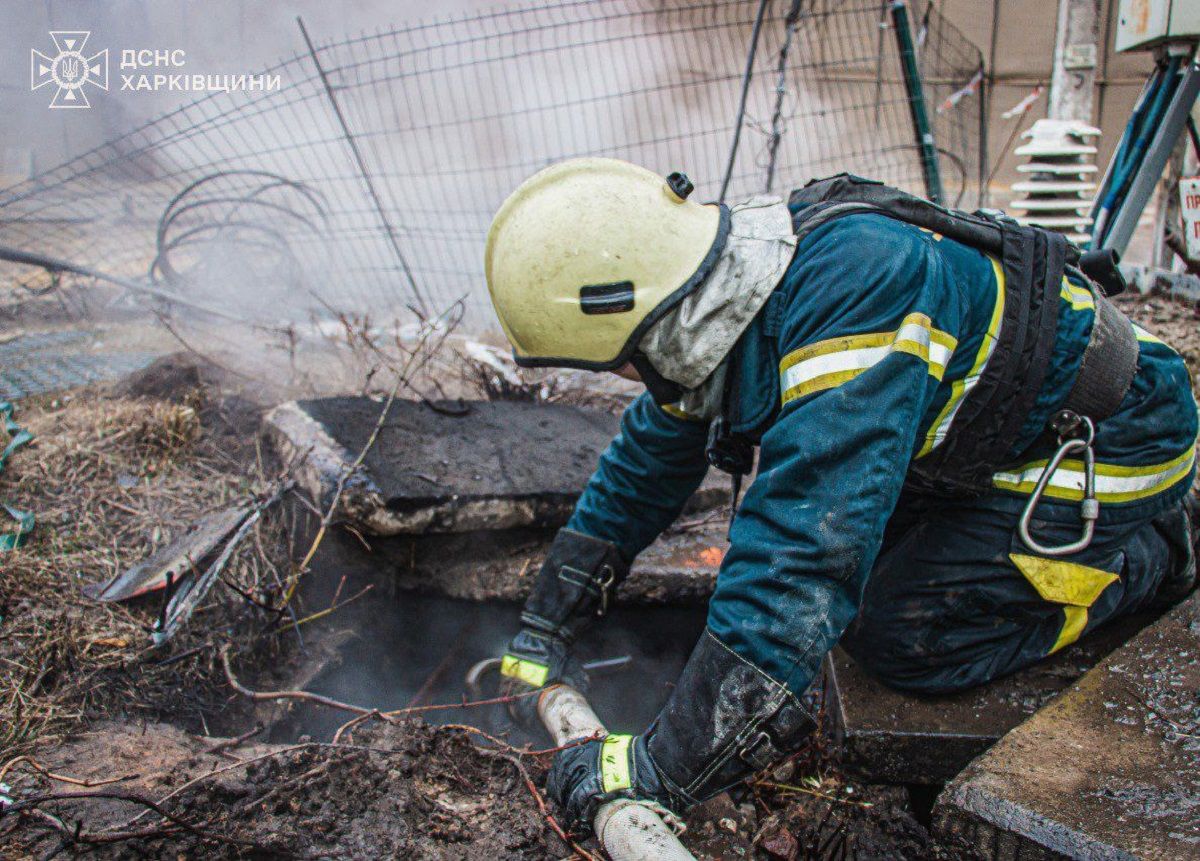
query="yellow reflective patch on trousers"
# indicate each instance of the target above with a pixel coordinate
(614, 763)
(1073, 625)
(1075, 586)
(529, 672)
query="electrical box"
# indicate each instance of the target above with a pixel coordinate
(1145, 24)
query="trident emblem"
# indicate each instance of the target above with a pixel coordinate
(70, 70)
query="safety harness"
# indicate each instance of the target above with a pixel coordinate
(988, 422)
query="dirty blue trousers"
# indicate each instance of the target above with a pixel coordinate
(946, 607)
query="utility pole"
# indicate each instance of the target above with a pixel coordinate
(1073, 82)
(1057, 193)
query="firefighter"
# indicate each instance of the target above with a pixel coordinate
(967, 456)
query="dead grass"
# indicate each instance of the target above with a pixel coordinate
(111, 479)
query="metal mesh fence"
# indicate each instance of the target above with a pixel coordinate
(365, 184)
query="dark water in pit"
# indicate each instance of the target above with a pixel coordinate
(415, 649)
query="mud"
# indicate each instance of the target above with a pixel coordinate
(409, 791)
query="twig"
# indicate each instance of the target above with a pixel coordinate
(787, 787)
(321, 613)
(183, 656)
(327, 517)
(545, 811)
(61, 778)
(203, 777)
(352, 723)
(389, 716)
(131, 797)
(236, 742)
(519, 751)
(121, 507)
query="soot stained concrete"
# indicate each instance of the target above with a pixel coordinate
(1110, 769)
(497, 465)
(478, 465)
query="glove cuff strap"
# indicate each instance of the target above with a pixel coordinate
(726, 719)
(574, 585)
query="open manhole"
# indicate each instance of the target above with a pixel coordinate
(415, 650)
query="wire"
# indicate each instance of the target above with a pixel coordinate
(741, 112)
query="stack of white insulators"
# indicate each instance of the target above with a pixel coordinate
(1059, 187)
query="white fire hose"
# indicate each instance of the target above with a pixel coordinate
(628, 831)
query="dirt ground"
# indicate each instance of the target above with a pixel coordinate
(111, 749)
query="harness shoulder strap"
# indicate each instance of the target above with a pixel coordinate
(1033, 260)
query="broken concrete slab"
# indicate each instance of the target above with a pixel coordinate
(892, 736)
(482, 465)
(1110, 769)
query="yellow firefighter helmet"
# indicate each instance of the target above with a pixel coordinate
(589, 253)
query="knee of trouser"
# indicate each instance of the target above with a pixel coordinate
(1179, 529)
(922, 675)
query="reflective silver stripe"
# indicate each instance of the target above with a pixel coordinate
(1114, 483)
(829, 363)
(959, 389)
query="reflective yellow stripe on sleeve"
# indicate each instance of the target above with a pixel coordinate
(529, 672)
(830, 363)
(1146, 337)
(614, 763)
(1079, 298)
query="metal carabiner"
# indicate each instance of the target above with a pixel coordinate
(1089, 507)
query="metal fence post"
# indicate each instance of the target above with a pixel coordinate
(916, 102)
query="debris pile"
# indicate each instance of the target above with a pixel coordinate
(111, 479)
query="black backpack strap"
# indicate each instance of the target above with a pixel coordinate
(990, 419)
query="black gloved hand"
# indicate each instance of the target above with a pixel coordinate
(587, 775)
(535, 660)
(572, 590)
(725, 720)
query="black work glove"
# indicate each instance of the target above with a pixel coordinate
(587, 775)
(725, 720)
(572, 590)
(535, 660)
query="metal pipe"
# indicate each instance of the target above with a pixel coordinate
(363, 172)
(627, 830)
(1144, 176)
(55, 264)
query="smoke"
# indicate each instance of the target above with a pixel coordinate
(218, 36)
(430, 125)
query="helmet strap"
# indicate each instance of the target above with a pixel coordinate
(662, 390)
